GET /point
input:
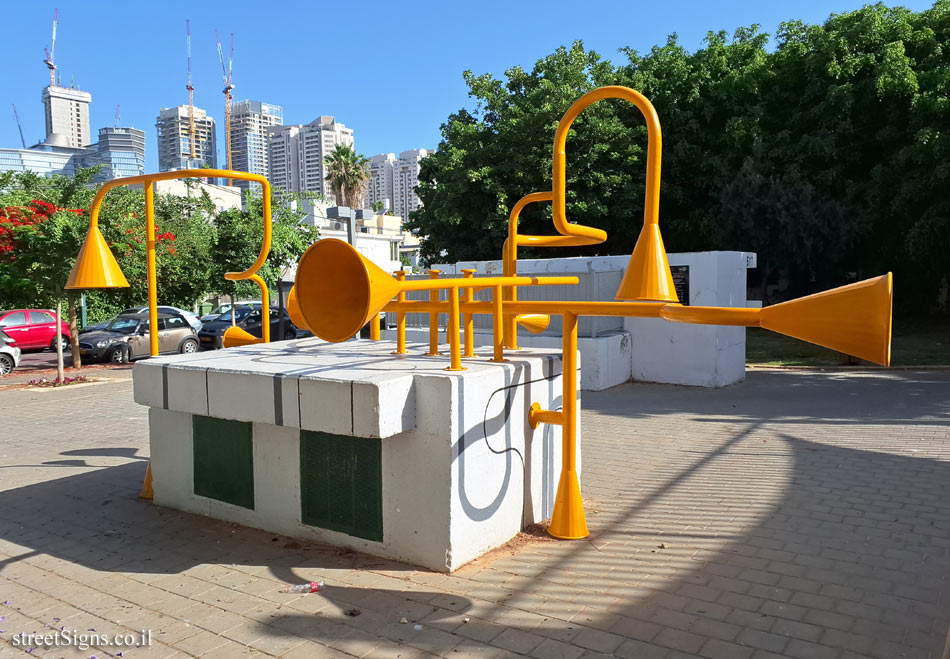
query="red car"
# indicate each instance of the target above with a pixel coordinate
(34, 328)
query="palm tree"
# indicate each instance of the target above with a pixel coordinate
(347, 172)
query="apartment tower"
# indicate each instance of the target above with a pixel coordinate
(174, 140)
(296, 154)
(249, 123)
(67, 114)
(392, 180)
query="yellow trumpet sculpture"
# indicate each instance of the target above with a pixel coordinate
(96, 267)
(338, 291)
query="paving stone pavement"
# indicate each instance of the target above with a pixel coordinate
(797, 514)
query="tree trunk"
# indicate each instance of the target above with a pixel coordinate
(60, 374)
(73, 330)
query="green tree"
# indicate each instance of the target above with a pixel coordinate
(347, 172)
(240, 234)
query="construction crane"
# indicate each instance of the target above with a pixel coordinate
(227, 74)
(191, 93)
(19, 125)
(51, 51)
(116, 116)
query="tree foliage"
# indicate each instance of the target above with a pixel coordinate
(828, 154)
(195, 244)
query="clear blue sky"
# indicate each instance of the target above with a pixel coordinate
(391, 71)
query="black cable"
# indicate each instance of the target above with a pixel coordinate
(507, 407)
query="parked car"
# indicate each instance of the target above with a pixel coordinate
(34, 328)
(224, 308)
(248, 318)
(9, 353)
(126, 338)
(190, 316)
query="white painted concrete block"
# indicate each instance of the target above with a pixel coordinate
(172, 458)
(148, 385)
(249, 397)
(462, 471)
(277, 477)
(383, 408)
(326, 405)
(188, 390)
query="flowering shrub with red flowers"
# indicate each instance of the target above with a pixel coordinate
(32, 215)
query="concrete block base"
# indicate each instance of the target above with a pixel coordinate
(459, 469)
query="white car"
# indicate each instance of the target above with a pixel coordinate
(190, 316)
(9, 354)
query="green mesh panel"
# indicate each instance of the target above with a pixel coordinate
(224, 460)
(341, 482)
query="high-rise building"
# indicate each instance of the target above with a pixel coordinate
(249, 123)
(296, 153)
(67, 113)
(122, 150)
(392, 180)
(174, 140)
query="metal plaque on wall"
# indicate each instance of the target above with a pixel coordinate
(681, 282)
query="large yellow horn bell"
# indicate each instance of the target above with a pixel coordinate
(853, 319)
(338, 289)
(96, 267)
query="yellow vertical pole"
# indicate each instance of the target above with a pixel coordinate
(400, 318)
(150, 268)
(568, 521)
(453, 331)
(510, 265)
(434, 318)
(469, 322)
(374, 327)
(498, 334)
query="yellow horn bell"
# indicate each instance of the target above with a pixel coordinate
(96, 267)
(293, 310)
(533, 322)
(339, 290)
(234, 336)
(648, 276)
(853, 319)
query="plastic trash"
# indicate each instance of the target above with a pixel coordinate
(310, 587)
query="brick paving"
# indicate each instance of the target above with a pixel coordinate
(797, 514)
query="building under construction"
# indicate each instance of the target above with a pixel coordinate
(173, 127)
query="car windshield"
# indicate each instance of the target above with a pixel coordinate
(123, 325)
(241, 313)
(136, 310)
(220, 310)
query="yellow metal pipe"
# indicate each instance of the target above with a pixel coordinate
(551, 307)
(433, 317)
(374, 328)
(748, 317)
(150, 270)
(455, 350)
(546, 416)
(567, 519)
(469, 296)
(400, 318)
(498, 334)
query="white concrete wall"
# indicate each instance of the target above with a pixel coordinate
(463, 471)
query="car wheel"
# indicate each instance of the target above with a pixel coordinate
(6, 364)
(188, 346)
(119, 355)
(64, 339)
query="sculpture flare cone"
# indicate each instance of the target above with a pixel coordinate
(235, 336)
(648, 276)
(96, 267)
(568, 521)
